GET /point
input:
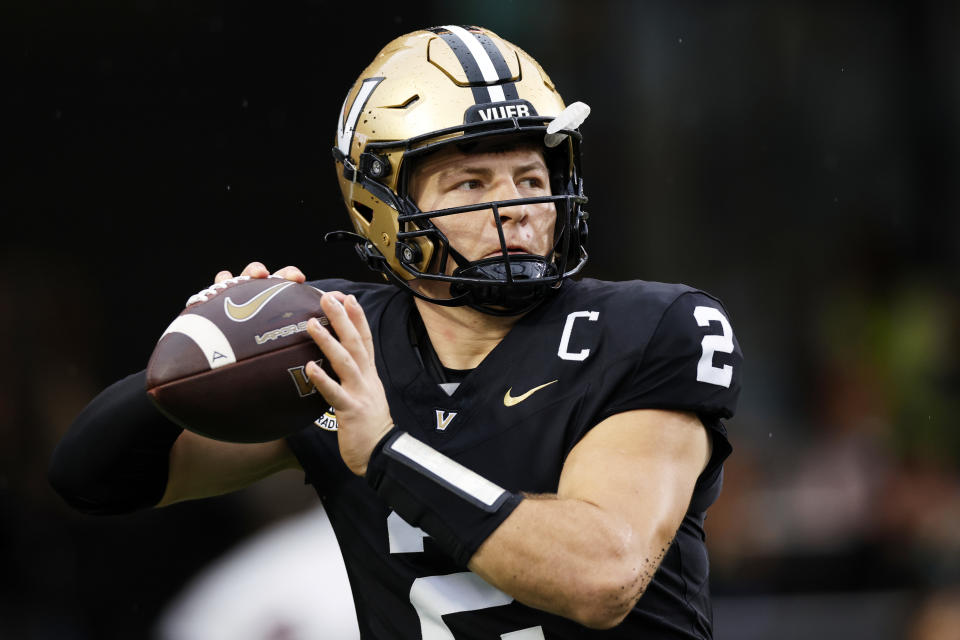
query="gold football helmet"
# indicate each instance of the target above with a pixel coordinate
(455, 85)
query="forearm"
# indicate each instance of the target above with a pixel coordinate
(203, 468)
(114, 458)
(571, 558)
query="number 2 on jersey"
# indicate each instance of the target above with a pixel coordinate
(435, 596)
(723, 343)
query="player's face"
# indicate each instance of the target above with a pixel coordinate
(452, 178)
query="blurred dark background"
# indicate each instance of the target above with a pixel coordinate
(798, 159)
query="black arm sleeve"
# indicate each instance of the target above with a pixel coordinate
(116, 455)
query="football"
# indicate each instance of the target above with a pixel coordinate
(231, 365)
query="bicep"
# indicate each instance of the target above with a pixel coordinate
(641, 465)
(201, 467)
(622, 494)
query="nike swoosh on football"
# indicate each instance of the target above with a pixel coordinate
(245, 311)
(509, 401)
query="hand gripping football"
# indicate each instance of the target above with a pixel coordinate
(231, 365)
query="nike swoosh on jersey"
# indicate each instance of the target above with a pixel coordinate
(509, 401)
(245, 311)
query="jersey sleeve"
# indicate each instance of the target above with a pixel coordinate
(114, 458)
(692, 362)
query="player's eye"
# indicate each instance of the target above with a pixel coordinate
(530, 183)
(467, 185)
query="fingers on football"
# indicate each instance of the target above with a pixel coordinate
(340, 359)
(359, 319)
(326, 385)
(291, 273)
(345, 325)
(255, 270)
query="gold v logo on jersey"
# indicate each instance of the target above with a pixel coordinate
(444, 419)
(509, 400)
(245, 311)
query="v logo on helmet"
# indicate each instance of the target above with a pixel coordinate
(250, 308)
(345, 128)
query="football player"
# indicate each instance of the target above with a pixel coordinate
(508, 453)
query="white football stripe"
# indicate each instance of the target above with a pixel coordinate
(206, 335)
(449, 470)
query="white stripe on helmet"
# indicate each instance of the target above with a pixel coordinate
(483, 60)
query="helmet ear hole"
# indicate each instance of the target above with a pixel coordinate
(364, 211)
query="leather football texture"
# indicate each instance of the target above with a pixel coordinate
(231, 365)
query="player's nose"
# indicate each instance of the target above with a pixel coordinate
(506, 190)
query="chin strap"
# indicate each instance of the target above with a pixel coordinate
(491, 297)
(529, 278)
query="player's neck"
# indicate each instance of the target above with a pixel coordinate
(462, 337)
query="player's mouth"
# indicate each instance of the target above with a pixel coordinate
(510, 250)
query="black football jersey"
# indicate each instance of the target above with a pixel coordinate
(592, 350)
